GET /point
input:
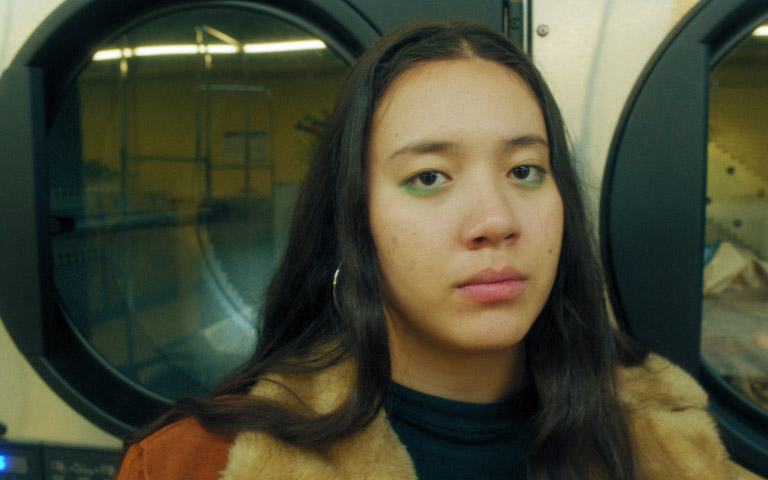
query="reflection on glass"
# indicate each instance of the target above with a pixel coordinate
(172, 176)
(735, 308)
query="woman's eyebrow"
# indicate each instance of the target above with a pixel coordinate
(426, 147)
(455, 148)
(524, 141)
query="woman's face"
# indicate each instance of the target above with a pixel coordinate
(465, 214)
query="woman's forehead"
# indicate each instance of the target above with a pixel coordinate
(439, 99)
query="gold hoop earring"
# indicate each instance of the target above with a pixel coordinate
(335, 281)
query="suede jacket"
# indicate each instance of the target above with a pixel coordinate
(674, 436)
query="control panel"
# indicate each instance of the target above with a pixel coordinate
(35, 461)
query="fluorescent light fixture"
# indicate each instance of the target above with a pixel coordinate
(112, 54)
(284, 46)
(761, 31)
(153, 50)
(189, 49)
(218, 49)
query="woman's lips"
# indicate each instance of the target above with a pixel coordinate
(491, 285)
(493, 292)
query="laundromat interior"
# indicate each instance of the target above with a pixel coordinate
(151, 153)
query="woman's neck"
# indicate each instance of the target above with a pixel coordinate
(478, 377)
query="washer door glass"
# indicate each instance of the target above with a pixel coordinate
(173, 164)
(735, 304)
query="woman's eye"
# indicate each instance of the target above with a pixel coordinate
(426, 182)
(426, 179)
(528, 175)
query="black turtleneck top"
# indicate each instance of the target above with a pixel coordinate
(448, 439)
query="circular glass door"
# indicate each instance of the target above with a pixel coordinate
(734, 338)
(173, 162)
(684, 217)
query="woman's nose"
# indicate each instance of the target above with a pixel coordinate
(490, 218)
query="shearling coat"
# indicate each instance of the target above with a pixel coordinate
(674, 436)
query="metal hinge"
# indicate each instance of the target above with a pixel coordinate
(516, 22)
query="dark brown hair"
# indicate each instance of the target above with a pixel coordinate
(572, 349)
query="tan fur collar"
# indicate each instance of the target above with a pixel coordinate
(375, 453)
(675, 438)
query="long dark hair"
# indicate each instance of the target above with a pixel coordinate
(572, 350)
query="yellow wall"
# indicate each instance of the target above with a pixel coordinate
(737, 170)
(161, 122)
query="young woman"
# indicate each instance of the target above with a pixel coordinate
(439, 310)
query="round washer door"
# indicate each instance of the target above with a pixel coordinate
(151, 152)
(149, 173)
(684, 217)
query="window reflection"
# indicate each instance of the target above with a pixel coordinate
(735, 305)
(172, 175)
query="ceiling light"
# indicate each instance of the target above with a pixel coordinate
(151, 51)
(284, 46)
(190, 49)
(112, 54)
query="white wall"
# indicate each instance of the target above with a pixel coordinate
(30, 409)
(18, 19)
(592, 56)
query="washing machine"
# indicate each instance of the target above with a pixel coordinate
(684, 213)
(151, 152)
